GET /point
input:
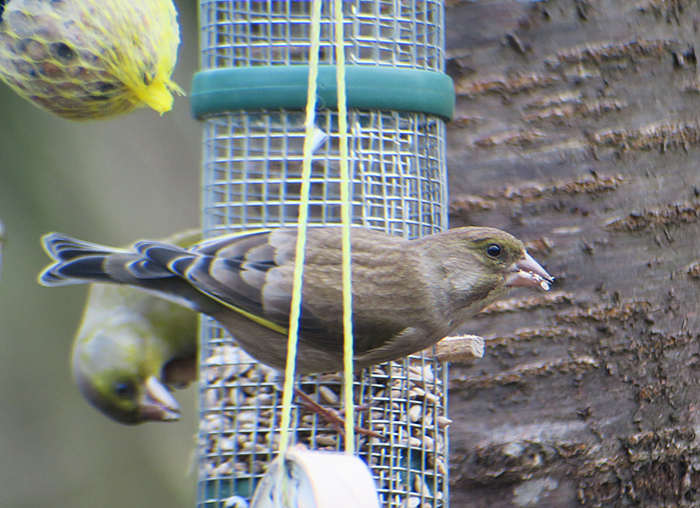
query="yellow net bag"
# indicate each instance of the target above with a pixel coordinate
(89, 59)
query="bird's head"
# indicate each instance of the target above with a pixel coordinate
(505, 256)
(486, 262)
(121, 377)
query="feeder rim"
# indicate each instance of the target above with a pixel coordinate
(226, 90)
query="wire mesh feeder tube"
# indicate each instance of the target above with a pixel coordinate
(252, 177)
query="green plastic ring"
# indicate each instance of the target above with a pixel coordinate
(220, 91)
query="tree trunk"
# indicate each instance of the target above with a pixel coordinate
(577, 130)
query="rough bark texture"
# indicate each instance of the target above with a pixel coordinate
(577, 130)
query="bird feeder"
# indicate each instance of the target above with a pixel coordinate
(250, 96)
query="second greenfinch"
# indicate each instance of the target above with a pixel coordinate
(133, 347)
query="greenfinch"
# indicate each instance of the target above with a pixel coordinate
(407, 295)
(133, 347)
(86, 59)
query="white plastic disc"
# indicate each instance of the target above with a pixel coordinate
(312, 479)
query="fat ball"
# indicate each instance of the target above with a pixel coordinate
(88, 59)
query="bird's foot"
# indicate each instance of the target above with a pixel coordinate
(332, 416)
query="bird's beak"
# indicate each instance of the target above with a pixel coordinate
(157, 403)
(528, 272)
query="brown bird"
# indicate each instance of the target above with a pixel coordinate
(407, 295)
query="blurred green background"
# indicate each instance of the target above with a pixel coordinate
(111, 182)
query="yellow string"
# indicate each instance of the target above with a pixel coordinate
(345, 208)
(301, 232)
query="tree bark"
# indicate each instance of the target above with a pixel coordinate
(577, 130)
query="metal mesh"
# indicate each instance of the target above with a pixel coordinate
(253, 165)
(240, 413)
(397, 33)
(252, 178)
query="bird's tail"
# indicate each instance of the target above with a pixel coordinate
(78, 262)
(75, 261)
(156, 267)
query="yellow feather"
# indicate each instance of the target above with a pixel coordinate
(253, 317)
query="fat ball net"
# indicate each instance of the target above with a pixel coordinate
(250, 96)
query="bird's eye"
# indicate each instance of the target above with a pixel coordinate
(493, 250)
(124, 390)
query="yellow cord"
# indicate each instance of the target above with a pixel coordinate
(301, 232)
(345, 209)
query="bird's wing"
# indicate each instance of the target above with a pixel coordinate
(248, 273)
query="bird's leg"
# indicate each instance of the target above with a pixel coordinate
(335, 418)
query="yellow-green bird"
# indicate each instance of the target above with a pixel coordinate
(132, 347)
(407, 295)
